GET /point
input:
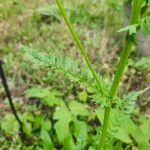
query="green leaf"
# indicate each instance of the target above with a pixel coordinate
(9, 124)
(79, 125)
(27, 128)
(62, 64)
(82, 96)
(141, 134)
(68, 143)
(81, 140)
(145, 125)
(27, 118)
(78, 109)
(46, 140)
(119, 120)
(129, 102)
(100, 100)
(36, 92)
(123, 136)
(47, 96)
(128, 126)
(145, 25)
(52, 99)
(82, 137)
(37, 121)
(141, 138)
(100, 114)
(63, 117)
(131, 28)
(46, 125)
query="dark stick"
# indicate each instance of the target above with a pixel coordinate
(4, 82)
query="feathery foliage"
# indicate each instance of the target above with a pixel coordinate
(120, 114)
(62, 64)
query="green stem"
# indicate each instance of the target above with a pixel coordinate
(105, 127)
(121, 66)
(82, 49)
(134, 19)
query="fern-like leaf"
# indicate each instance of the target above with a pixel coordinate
(62, 64)
(119, 115)
(129, 102)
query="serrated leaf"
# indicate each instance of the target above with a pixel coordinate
(48, 97)
(78, 109)
(100, 100)
(62, 64)
(121, 123)
(63, 117)
(129, 102)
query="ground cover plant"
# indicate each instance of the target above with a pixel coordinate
(85, 122)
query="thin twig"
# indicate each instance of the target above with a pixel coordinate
(5, 85)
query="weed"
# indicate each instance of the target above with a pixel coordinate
(76, 124)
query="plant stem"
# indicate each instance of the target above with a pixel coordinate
(105, 127)
(5, 85)
(121, 66)
(134, 19)
(81, 47)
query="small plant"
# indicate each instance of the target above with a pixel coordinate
(116, 110)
